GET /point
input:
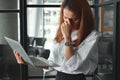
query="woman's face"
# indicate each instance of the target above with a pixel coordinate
(72, 17)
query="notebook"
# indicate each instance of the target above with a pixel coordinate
(34, 61)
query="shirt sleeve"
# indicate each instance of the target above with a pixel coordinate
(83, 53)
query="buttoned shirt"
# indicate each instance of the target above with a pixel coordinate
(85, 56)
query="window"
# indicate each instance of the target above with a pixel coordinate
(43, 21)
(101, 1)
(106, 18)
(41, 2)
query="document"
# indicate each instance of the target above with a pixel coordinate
(34, 61)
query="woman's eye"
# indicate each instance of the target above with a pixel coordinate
(74, 19)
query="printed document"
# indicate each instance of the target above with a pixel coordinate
(34, 61)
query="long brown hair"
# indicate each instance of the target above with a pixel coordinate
(87, 22)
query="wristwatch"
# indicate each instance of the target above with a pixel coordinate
(68, 43)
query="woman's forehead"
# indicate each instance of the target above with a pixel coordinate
(69, 13)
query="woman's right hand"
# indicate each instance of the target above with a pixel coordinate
(18, 58)
(66, 29)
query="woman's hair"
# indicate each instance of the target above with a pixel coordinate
(87, 21)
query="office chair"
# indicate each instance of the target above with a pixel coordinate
(39, 42)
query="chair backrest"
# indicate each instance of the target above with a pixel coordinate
(105, 43)
(30, 41)
(104, 49)
(39, 41)
(105, 46)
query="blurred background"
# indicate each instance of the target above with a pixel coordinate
(34, 23)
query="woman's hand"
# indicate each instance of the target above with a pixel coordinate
(21, 61)
(19, 58)
(66, 29)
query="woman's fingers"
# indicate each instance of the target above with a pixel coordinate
(68, 22)
(16, 54)
(18, 58)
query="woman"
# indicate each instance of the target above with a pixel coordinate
(75, 44)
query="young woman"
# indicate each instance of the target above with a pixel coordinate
(75, 44)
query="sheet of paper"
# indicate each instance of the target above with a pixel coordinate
(34, 61)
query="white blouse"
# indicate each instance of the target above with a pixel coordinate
(85, 56)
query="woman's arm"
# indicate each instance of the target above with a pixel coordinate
(21, 61)
(66, 29)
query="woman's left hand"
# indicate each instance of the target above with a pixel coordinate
(66, 29)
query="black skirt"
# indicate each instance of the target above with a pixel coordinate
(64, 76)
